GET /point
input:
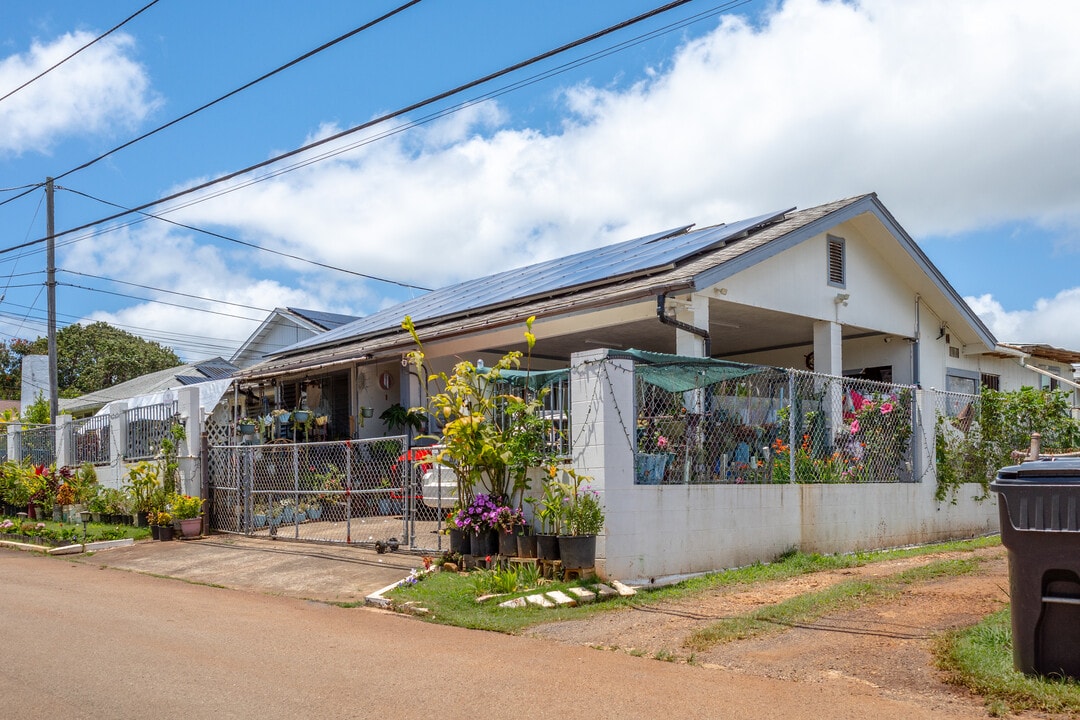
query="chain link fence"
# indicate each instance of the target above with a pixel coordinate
(353, 491)
(731, 423)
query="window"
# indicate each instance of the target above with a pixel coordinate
(837, 270)
(960, 384)
(954, 352)
(990, 382)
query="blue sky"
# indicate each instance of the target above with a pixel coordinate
(962, 116)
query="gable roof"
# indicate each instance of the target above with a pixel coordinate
(315, 322)
(671, 261)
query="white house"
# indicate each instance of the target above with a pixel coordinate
(840, 289)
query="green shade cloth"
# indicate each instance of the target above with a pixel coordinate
(679, 373)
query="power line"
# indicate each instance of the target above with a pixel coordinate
(98, 38)
(245, 86)
(163, 290)
(227, 95)
(382, 118)
(255, 246)
(159, 302)
(198, 341)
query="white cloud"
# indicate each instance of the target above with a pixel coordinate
(959, 114)
(101, 90)
(1051, 321)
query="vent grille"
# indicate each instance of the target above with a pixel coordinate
(837, 275)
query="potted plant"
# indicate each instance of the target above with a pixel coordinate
(477, 520)
(508, 523)
(549, 515)
(140, 487)
(582, 521)
(161, 525)
(187, 510)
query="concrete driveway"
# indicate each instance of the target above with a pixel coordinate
(328, 573)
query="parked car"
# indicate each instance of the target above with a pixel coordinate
(439, 488)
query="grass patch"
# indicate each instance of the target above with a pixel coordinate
(980, 659)
(808, 607)
(451, 598)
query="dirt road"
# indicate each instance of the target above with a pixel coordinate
(84, 641)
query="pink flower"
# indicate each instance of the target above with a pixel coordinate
(661, 442)
(854, 427)
(886, 408)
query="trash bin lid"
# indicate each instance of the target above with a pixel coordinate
(1052, 471)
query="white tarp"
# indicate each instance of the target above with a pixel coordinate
(210, 393)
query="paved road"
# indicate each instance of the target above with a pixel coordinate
(84, 640)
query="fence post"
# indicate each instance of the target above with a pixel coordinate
(14, 441)
(65, 456)
(187, 404)
(118, 432)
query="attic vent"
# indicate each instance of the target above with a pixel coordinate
(837, 275)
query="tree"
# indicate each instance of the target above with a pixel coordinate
(88, 358)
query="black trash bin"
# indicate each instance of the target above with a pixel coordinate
(1039, 507)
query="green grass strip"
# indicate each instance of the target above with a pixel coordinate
(451, 600)
(801, 609)
(980, 659)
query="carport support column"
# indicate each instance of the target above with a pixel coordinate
(602, 432)
(695, 313)
(828, 360)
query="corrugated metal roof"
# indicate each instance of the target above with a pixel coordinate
(605, 264)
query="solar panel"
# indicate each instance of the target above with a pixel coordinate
(631, 257)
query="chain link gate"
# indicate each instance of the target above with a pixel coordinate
(359, 492)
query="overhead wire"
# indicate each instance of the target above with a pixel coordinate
(99, 38)
(375, 121)
(229, 94)
(255, 246)
(163, 290)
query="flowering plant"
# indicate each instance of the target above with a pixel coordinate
(508, 520)
(479, 515)
(185, 507)
(650, 440)
(582, 513)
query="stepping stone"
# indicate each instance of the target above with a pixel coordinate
(539, 600)
(561, 598)
(582, 595)
(606, 591)
(623, 590)
(519, 602)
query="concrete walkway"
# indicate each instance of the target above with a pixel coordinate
(328, 573)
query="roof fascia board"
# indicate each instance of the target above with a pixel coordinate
(871, 204)
(264, 326)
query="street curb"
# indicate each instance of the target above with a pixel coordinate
(67, 549)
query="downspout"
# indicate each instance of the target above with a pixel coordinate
(661, 314)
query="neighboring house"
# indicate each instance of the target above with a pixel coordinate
(840, 289)
(283, 327)
(149, 384)
(1056, 369)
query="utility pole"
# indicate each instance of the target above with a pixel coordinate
(50, 285)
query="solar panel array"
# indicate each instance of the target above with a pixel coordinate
(629, 258)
